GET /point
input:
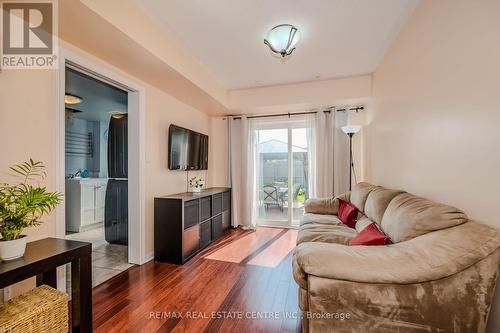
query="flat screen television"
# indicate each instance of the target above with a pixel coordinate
(187, 149)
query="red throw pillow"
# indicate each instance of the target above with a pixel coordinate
(371, 235)
(347, 213)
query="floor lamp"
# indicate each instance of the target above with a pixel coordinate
(350, 130)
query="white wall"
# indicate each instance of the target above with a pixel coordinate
(433, 128)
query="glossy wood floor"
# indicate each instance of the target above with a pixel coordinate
(241, 283)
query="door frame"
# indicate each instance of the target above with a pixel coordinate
(89, 65)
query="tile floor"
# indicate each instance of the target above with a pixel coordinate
(108, 259)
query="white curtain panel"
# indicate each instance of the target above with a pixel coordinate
(341, 152)
(234, 168)
(240, 171)
(324, 154)
(312, 154)
(332, 154)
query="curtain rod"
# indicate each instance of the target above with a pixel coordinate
(356, 108)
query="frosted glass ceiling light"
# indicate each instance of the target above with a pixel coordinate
(72, 99)
(282, 39)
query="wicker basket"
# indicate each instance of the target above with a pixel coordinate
(43, 309)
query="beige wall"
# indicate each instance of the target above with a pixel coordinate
(27, 129)
(434, 123)
(300, 96)
(161, 111)
(218, 154)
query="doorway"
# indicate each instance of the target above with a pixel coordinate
(92, 67)
(282, 150)
(96, 170)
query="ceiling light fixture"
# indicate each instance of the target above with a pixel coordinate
(72, 99)
(282, 39)
(117, 114)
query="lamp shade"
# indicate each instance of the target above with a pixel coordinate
(351, 129)
(282, 39)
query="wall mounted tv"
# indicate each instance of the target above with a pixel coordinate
(187, 149)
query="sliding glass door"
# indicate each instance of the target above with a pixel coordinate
(281, 159)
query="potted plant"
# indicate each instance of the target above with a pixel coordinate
(196, 184)
(22, 204)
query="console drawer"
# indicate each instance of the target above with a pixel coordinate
(191, 213)
(205, 233)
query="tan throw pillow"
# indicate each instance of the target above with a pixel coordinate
(409, 216)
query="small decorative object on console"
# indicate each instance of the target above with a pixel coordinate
(196, 184)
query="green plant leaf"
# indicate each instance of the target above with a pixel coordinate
(22, 205)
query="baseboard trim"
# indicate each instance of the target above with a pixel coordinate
(150, 256)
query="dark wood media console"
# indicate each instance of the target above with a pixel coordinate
(186, 223)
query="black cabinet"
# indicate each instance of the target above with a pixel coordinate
(205, 208)
(217, 229)
(226, 220)
(191, 213)
(186, 223)
(217, 203)
(205, 233)
(226, 200)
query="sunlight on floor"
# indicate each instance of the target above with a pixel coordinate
(277, 251)
(270, 256)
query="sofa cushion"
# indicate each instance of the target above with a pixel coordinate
(377, 201)
(359, 194)
(371, 235)
(432, 256)
(362, 222)
(327, 206)
(409, 216)
(325, 233)
(309, 218)
(347, 213)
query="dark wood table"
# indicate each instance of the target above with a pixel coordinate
(41, 259)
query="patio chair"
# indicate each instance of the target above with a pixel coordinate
(271, 197)
(296, 190)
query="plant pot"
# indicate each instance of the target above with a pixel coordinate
(196, 189)
(12, 249)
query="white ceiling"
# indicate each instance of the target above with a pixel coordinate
(339, 37)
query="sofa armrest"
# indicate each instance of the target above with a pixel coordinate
(425, 258)
(325, 206)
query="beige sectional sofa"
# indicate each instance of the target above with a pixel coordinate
(438, 276)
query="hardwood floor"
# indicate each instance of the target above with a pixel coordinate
(241, 283)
